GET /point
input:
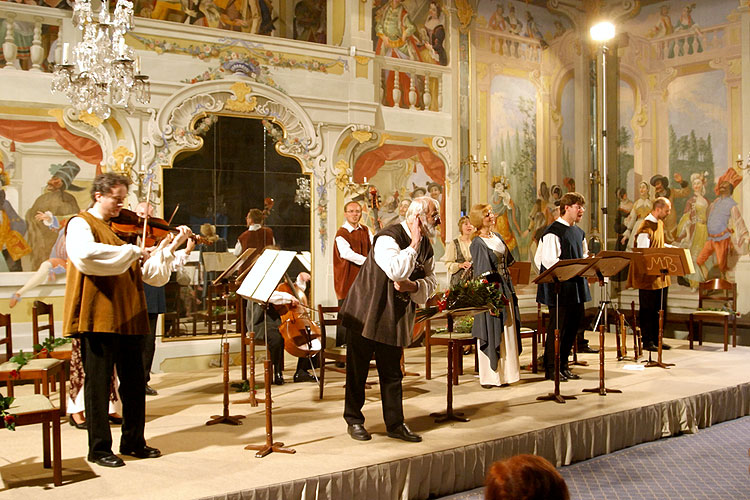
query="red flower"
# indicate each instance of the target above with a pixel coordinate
(14, 374)
(484, 281)
(9, 420)
(442, 305)
(44, 351)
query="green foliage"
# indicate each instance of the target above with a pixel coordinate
(8, 419)
(50, 344)
(472, 293)
(243, 386)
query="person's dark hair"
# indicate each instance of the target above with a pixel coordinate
(104, 183)
(544, 191)
(620, 192)
(255, 215)
(525, 477)
(569, 199)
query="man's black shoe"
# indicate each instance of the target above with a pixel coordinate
(278, 379)
(587, 350)
(551, 376)
(145, 452)
(403, 432)
(570, 375)
(108, 461)
(150, 391)
(650, 346)
(115, 419)
(303, 376)
(358, 432)
(665, 346)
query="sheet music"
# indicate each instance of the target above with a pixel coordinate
(217, 261)
(265, 274)
(306, 259)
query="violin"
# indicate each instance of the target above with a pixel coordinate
(301, 335)
(129, 226)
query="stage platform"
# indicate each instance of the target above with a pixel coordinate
(706, 386)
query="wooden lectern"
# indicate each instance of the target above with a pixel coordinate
(662, 262)
(564, 270)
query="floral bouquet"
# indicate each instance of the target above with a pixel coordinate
(473, 293)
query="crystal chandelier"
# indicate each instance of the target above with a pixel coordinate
(104, 70)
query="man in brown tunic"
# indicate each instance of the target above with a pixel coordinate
(105, 307)
(353, 243)
(652, 290)
(379, 314)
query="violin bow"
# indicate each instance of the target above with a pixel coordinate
(145, 216)
(169, 222)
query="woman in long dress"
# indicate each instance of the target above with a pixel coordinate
(641, 208)
(498, 337)
(692, 229)
(457, 256)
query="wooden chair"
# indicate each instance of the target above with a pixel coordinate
(329, 355)
(7, 340)
(38, 409)
(38, 310)
(41, 371)
(530, 333)
(214, 300)
(715, 291)
(460, 341)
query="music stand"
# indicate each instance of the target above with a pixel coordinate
(563, 270)
(662, 262)
(258, 285)
(453, 359)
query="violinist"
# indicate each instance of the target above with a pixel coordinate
(105, 308)
(281, 300)
(353, 242)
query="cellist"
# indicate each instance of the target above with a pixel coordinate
(279, 302)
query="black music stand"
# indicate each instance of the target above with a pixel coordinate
(563, 270)
(453, 359)
(259, 283)
(662, 262)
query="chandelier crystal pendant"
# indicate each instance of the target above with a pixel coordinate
(104, 71)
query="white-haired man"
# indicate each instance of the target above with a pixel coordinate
(379, 313)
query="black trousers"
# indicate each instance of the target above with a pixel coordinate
(648, 314)
(340, 330)
(359, 352)
(570, 317)
(101, 353)
(149, 345)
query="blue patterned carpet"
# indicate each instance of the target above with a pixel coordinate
(713, 465)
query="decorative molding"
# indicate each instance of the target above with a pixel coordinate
(240, 102)
(122, 160)
(465, 13)
(362, 135)
(439, 146)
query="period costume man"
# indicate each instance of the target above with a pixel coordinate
(379, 314)
(256, 236)
(652, 290)
(563, 239)
(105, 308)
(353, 243)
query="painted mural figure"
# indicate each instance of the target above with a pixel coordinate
(515, 26)
(497, 19)
(505, 212)
(58, 202)
(533, 31)
(686, 23)
(12, 229)
(539, 219)
(692, 229)
(663, 26)
(435, 33)
(641, 208)
(662, 189)
(727, 232)
(624, 206)
(310, 21)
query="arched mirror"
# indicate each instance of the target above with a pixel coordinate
(237, 169)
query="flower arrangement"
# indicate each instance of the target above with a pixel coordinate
(7, 418)
(472, 293)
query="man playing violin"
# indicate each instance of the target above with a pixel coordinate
(105, 308)
(281, 301)
(379, 313)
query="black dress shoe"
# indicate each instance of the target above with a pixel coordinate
(303, 376)
(665, 347)
(278, 379)
(403, 432)
(150, 391)
(77, 425)
(115, 420)
(358, 432)
(587, 350)
(108, 461)
(550, 376)
(145, 452)
(570, 375)
(650, 346)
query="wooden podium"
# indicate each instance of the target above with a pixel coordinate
(563, 270)
(662, 262)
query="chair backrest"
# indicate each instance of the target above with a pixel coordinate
(40, 309)
(322, 311)
(8, 338)
(718, 290)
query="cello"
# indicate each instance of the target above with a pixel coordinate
(301, 334)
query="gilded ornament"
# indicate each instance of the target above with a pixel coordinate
(465, 14)
(240, 102)
(362, 136)
(342, 174)
(123, 160)
(58, 114)
(90, 119)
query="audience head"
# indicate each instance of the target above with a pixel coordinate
(465, 224)
(525, 477)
